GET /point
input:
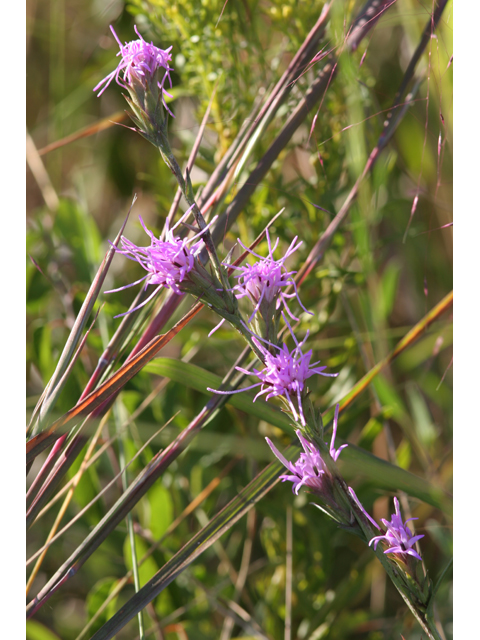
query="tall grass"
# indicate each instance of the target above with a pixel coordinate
(156, 494)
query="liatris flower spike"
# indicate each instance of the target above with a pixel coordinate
(398, 536)
(284, 374)
(169, 263)
(310, 469)
(263, 281)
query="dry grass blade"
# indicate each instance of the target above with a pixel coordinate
(40, 442)
(91, 130)
(106, 445)
(275, 99)
(52, 538)
(58, 379)
(41, 553)
(47, 466)
(404, 343)
(129, 498)
(242, 574)
(42, 178)
(122, 336)
(367, 17)
(190, 162)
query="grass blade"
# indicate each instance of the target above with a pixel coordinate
(40, 442)
(242, 503)
(58, 379)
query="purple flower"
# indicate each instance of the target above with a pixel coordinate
(310, 469)
(398, 536)
(139, 61)
(167, 262)
(284, 374)
(263, 281)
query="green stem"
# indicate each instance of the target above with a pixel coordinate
(187, 191)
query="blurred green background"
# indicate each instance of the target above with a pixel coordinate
(381, 274)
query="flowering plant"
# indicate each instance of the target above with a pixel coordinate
(284, 374)
(142, 71)
(398, 537)
(140, 64)
(183, 259)
(168, 262)
(263, 282)
(311, 471)
(172, 264)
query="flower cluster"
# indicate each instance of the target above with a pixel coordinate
(310, 469)
(139, 62)
(263, 281)
(398, 536)
(167, 262)
(284, 374)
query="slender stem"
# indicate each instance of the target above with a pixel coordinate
(187, 191)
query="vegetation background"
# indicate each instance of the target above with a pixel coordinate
(384, 269)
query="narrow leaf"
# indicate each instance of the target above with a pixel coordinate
(59, 378)
(230, 514)
(40, 442)
(199, 379)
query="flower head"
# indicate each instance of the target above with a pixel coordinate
(263, 281)
(285, 374)
(398, 536)
(167, 262)
(310, 469)
(139, 61)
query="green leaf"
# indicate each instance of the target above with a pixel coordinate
(425, 348)
(388, 289)
(384, 475)
(393, 403)
(148, 568)
(161, 507)
(426, 430)
(95, 599)
(197, 378)
(37, 631)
